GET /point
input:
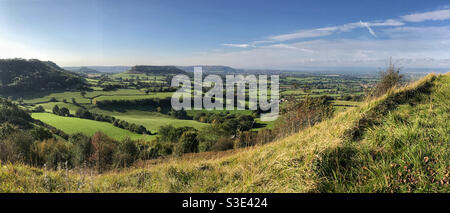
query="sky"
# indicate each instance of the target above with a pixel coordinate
(239, 33)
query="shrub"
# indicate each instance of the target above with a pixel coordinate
(53, 153)
(302, 114)
(189, 141)
(40, 133)
(21, 143)
(15, 144)
(83, 113)
(389, 79)
(223, 144)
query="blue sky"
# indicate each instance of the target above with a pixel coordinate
(245, 34)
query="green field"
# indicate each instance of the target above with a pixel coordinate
(160, 95)
(150, 120)
(49, 106)
(142, 77)
(72, 125)
(60, 96)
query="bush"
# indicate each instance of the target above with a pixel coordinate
(223, 144)
(83, 113)
(21, 143)
(302, 114)
(40, 133)
(389, 79)
(189, 141)
(15, 144)
(53, 153)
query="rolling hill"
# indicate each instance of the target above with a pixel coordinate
(84, 70)
(210, 69)
(396, 143)
(102, 69)
(20, 75)
(155, 70)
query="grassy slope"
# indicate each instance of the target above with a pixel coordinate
(321, 158)
(73, 125)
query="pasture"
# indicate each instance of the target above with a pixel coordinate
(71, 125)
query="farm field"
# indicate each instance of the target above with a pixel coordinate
(141, 77)
(72, 125)
(160, 95)
(79, 98)
(150, 120)
(49, 106)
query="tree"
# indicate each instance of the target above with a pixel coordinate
(83, 113)
(126, 154)
(39, 109)
(64, 112)
(103, 151)
(82, 148)
(55, 110)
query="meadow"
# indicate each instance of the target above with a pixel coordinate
(72, 125)
(150, 119)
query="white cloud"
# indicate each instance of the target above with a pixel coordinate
(437, 15)
(325, 31)
(414, 52)
(411, 46)
(387, 23)
(365, 24)
(428, 33)
(286, 46)
(238, 45)
(319, 32)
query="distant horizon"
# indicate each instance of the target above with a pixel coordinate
(300, 69)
